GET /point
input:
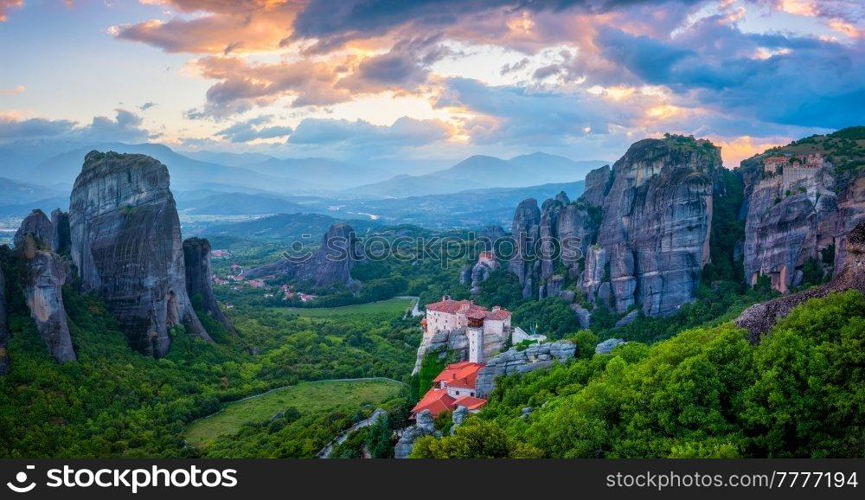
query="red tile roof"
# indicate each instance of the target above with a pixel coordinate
(436, 401)
(462, 374)
(469, 308)
(470, 402)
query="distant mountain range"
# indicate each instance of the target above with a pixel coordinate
(479, 172)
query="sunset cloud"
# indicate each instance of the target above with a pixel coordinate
(6, 5)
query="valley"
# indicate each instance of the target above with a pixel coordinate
(257, 356)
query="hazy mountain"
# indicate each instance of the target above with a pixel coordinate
(234, 204)
(287, 228)
(14, 192)
(227, 159)
(24, 208)
(484, 172)
(472, 208)
(321, 172)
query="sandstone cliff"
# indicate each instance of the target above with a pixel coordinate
(126, 244)
(43, 274)
(639, 235)
(801, 201)
(329, 265)
(199, 279)
(759, 318)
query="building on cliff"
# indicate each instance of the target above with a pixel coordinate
(455, 386)
(486, 330)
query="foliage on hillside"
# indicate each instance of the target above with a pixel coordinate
(114, 402)
(703, 393)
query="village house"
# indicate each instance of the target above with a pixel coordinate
(455, 386)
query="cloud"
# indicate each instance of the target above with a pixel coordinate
(404, 132)
(12, 128)
(19, 89)
(718, 66)
(6, 5)
(365, 18)
(124, 127)
(251, 130)
(220, 27)
(147, 105)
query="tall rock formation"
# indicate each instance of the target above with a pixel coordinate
(639, 235)
(199, 279)
(126, 244)
(801, 201)
(4, 327)
(62, 240)
(525, 231)
(330, 265)
(656, 223)
(43, 274)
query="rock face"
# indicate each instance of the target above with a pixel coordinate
(654, 235)
(330, 265)
(199, 279)
(760, 318)
(534, 357)
(443, 341)
(638, 235)
(526, 232)
(43, 274)
(425, 426)
(796, 212)
(126, 244)
(4, 327)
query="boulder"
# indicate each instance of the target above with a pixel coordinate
(425, 426)
(459, 416)
(199, 280)
(126, 244)
(608, 345)
(584, 317)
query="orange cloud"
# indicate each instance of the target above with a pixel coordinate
(5, 5)
(734, 150)
(226, 27)
(15, 90)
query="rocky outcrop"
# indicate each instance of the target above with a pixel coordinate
(607, 346)
(443, 341)
(481, 271)
(533, 357)
(459, 416)
(525, 231)
(425, 426)
(4, 327)
(38, 228)
(330, 265)
(126, 244)
(43, 274)
(791, 217)
(654, 237)
(199, 280)
(639, 235)
(760, 318)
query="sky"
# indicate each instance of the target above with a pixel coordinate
(368, 80)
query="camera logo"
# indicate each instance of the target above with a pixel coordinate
(18, 486)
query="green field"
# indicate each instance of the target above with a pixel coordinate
(307, 397)
(391, 306)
